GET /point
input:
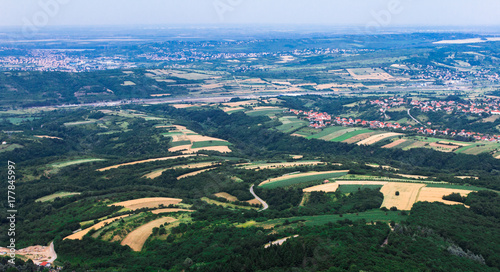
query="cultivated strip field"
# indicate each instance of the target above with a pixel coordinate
(56, 195)
(376, 138)
(136, 239)
(73, 162)
(327, 188)
(144, 161)
(226, 196)
(158, 172)
(432, 194)
(79, 235)
(408, 194)
(150, 202)
(360, 182)
(302, 177)
(48, 137)
(170, 210)
(395, 143)
(282, 165)
(189, 142)
(194, 173)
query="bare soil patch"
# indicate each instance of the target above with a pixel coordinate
(395, 143)
(149, 202)
(136, 239)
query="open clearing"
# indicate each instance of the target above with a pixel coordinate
(79, 235)
(351, 134)
(227, 196)
(291, 179)
(327, 188)
(144, 161)
(149, 202)
(136, 239)
(54, 196)
(38, 254)
(432, 194)
(369, 74)
(408, 194)
(395, 143)
(227, 205)
(279, 242)
(193, 142)
(282, 165)
(360, 182)
(413, 176)
(377, 138)
(358, 138)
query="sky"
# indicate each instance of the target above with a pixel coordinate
(368, 13)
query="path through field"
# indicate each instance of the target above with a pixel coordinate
(264, 204)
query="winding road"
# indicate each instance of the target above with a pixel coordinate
(415, 119)
(259, 199)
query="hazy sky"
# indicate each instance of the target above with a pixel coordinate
(324, 12)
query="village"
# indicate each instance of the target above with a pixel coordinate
(321, 120)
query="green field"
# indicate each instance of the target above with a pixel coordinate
(72, 162)
(54, 196)
(455, 186)
(373, 215)
(291, 123)
(174, 144)
(9, 147)
(255, 113)
(209, 143)
(405, 144)
(351, 134)
(291, 181)
(325, 132)
(354, 188)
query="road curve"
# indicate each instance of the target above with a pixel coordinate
(264, 204)
(415, 119)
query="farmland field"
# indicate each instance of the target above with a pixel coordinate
(325, 132)
(432, 194)
(136, 239)
(144, 161)
(281, 164)
(408, 194)
(288, 180)
(79, 235)
(354, 188)
(376, 138)
(327, 188)
(150, 202)
(52, 197)
(72, 162)
(351, 134)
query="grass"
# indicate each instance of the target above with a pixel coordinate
(210, 143)
(456, 186)
(226, 205)
(52, 197)
(289, 125)
(354, 188)
(325, 132)
(351, 134)
(405, 144)
(372, 215)
(72, 162)
(255, 113)
(291, 181)
(174, 144)
(9, 147)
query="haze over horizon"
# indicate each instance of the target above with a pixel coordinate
(369, 13)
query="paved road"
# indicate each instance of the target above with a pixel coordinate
(259, 199)
(415, 119)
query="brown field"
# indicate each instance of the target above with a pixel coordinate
(432, 194)
(395, 143)
(167, 210)
(301, 175)
(358, 138)
(327, 188)
(149, 202)
(158, 172)
(376, 138)
(413, 176)
(408, 194)
(48, 137)
(297, 157)
(79, 235)
(144, 161)
(136, 239)
(233, 109)
(254, 201)
(297, 135)
(226, 196)
(415, 145)
(184, 106)
(180, 148)
(360, 182)
(282, 165)
(453, 143)
(443, 147)
(221, 149)
(194, 173)
(336, 134)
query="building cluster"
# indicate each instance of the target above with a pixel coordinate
(479, 106)
(448, 75)
(321, 120)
